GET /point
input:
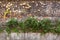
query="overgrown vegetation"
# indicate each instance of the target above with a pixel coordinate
(45, 25)
(31, 24)
(12, 25)
(57, 28)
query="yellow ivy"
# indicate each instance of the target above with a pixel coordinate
(7, 11)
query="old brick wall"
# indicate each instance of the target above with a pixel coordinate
(23, 9)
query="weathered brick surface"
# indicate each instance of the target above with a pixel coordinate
(37, 8)
(30, 8)
(40, 9)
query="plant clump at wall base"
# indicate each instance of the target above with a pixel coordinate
(12, 25)
(31, 24)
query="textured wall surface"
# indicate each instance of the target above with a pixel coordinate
(40, 9)
(24, 9)
(29, 36)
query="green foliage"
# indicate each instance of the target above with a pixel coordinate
(1, 29)
(45, 25)
(57, 29)
(12, 25)
(8, 30)
(22, 26)
(31, 24)
(15, 30)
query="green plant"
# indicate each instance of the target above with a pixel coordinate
(12, 25)
(31, 24)
(57, 28)
(8, 30)
(1, 29)
(15, 30)
(45, 25)
(22, 26)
